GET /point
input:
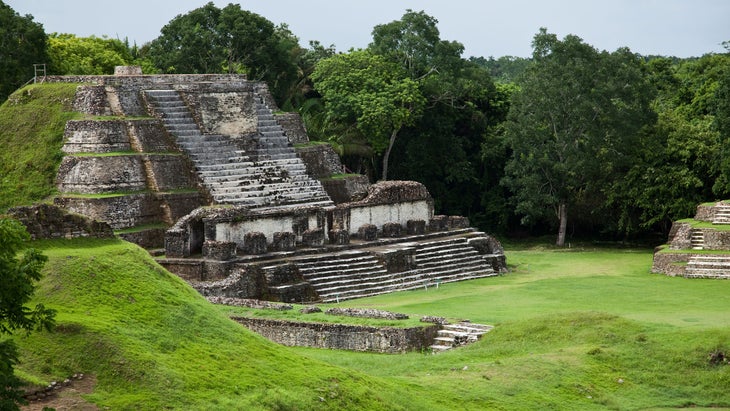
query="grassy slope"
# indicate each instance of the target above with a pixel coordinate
(575, 330)
(32, 121)
(154, 343)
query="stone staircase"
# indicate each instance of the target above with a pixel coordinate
(358, 273)
(270, 176)
(455, 335)
(708, 266)
(721, 214)
(697, 239)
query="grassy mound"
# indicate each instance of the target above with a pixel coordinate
(32, 121)
(575, 330)
(155, 343)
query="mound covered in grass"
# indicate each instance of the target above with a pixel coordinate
(32, 121)
(152, 342)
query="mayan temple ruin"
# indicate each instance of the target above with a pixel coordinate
(228, 192)
(698, 247)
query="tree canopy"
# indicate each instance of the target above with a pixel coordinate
(371, 94)
(22, 44)
(228, 40)
(18, 277)
(573, 125)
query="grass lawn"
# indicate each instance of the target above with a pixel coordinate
(580, 329)
(575, 329)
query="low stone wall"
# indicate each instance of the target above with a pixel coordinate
(48, 221)
(705, 213)
(389, 340)
(671, 264)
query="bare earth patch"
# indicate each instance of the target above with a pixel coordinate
(67, 398)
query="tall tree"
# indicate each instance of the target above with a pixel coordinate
(22, 44)
(70, 54)
(232, 40)
(370, 94)
(443, 148)
(18, 277)
(572, 125)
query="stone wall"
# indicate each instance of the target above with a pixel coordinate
(92, 136)
(293, 127)
(341, 336)
(321, 160)
(48, 221)
(671, 264)
(97, 175)
(386, 202)
(346, 189)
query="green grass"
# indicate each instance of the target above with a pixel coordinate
(575, 330)
(154, 343)
(32, 121)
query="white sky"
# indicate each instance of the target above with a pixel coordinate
(682, 28)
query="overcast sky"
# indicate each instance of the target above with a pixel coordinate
(682, 28)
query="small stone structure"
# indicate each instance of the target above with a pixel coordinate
(44, 221)
(389, 340)
(685, 253)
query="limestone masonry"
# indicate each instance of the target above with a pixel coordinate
(698, 248)
(230, 195)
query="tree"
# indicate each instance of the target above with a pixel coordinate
(370, 94)
(17, 278)
(22, 44)
(228, 40)
(86, 55)
(572, 126)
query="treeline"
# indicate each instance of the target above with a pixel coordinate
(573, 140)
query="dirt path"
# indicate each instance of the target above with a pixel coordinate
(67, 398)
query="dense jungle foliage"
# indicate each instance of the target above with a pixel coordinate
(574, 140)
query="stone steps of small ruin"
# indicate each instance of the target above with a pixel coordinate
(721, 214)
(697, 239)
(455, 335)
(708, 266)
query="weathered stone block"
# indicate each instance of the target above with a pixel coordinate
(313, 238)
(105, 174)
(219, 250)
(456, 222)
(415, 227)
(367, 232)
(346, 189)
(254, 243)
(293, 127)
(93, 136)
(321, 160)
(284, 241)
(398, 260)
(49, 221)
(339, 237)
(392, 230)
(176, 244)
(438, 223)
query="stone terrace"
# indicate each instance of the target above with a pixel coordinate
(699, 248)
